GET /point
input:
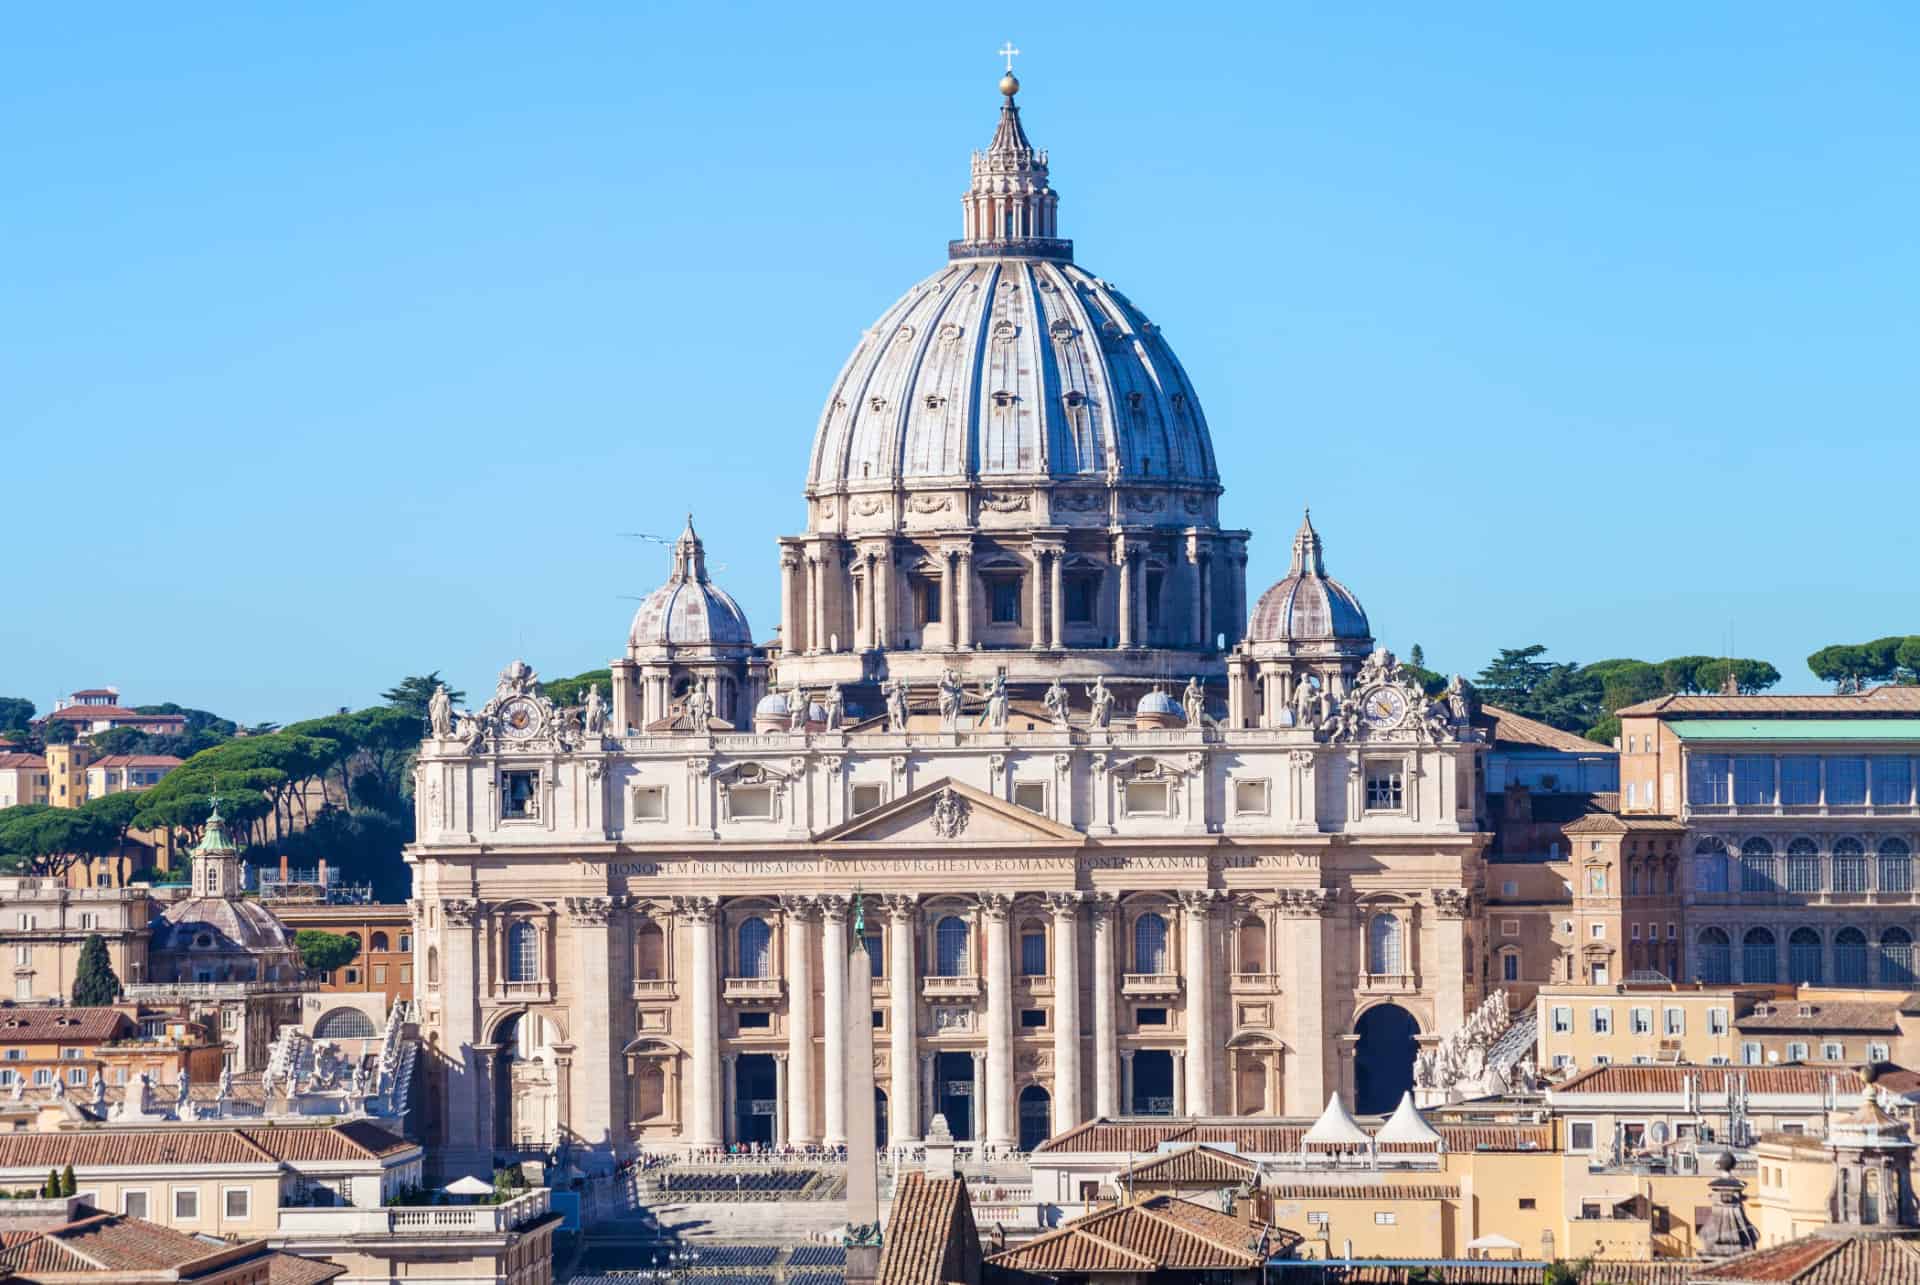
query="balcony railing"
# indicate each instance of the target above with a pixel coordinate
(754, 988)
(541, 990)
(1256, 981)
(161, 991)
(416, 1220)
(1150, 984)
(653, 988)
(1035, 985)
(1386, 983)
(950, 987)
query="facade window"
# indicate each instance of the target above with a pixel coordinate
(1896, 957)
(1832, 1051)
(1804, 957)
(1896, 866)
(519, 795)
(406, 943)
(1846, 782)
(1150, 944)
(950, 955)
(1803, 866)
(1386, 953)
(756, 1021)
(750, 803)
(1641, 1021)
(1849, 865)
(1753, 780)
(1675, 1020)
(133, 1204)
(1796, 1051)
(1600, 1019)
(1759, 958)
(754, 957)
(872, 944)
(1250, 798)
(1710, 865)
(1510, 967)
(186, 1204)
(1147, 798)
(1083, 592)
(649, 803)
(1580, 1135)
(1033, 953)
(1031, 795)
(1562, 1020)
(1892, 782)
(239, 1202)
(1509, 927)
(1597, 881)
(1386, 786)
(1751, 1053)
(1709, 780)
(1850, 957)
(1385, 1218)
(1006, 599)
(1713, 957)
(523, 952)
(1878, 1052)
(1799, 780)
(867, 797)
(1757, 867)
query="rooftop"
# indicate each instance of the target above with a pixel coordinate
(1156, 1233)
(1623, 1080)
(65, 1025)
(1267, 1136)
(1876, 702)
(1508, 730)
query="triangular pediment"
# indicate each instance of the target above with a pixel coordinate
(948, 813)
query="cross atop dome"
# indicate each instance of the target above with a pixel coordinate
(1009, 210)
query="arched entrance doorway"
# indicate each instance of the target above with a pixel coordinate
(755, 1098)
(1383, 1063)
(953, 1091)
(1152, 1082)
(1036, 1116)
(526, 1087)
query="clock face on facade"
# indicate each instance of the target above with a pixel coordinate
(1384, 706)
(519, 719)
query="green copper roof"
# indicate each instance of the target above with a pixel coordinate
(215, 838)
(1796, 729)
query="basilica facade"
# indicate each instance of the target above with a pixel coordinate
(1118, 840)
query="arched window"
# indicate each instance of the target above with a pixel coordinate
(1252, 946)
(1896, 957)
(1713, 957)
(1384, 945)
(1803, 866)
(1757, 867)
(649, 953)
(1850, 957)
(1710, 866)
(951, 957)
(523, 952)
(344, 1024)
(1759, 960)
(1803, 957)
(378, 942)
(1150, 944)
(1849, 866)
(354, 938)
(756, 941)
(1896, 866)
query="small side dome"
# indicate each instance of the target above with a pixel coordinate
(689, 610)
(772, 705)
(1159, 704)
(1309, 605)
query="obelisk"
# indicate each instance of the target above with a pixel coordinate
(863, 1175)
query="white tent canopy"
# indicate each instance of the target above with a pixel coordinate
(1408, 1126)
(1493, 1240)
(468, 1186)
(1335, 1126)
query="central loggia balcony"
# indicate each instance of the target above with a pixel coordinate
(950, 987)
(1150, 984)
(753, 990)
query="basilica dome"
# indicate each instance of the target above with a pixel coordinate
(1308, 605)
(689, 610)
(1012, 364)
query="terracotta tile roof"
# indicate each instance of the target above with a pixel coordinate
(1509, 728)
(67, 1025)
(1673, 1271)
(929, 1233)
(1709, 1079)
(1845, 1016)
(1874, 701)
(1364, 1191)
(1816, 1260)
(110, 1243)
(92, 1148)
(291, 1269)
(28, 761)
(1157, 1233)
(354, 1140)
(117, 713)
(137, 760)
(1272, 1137)
(1196, 1165)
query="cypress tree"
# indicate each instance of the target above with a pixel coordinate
(67, 1186)
(94, 983)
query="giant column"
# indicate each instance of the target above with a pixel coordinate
(1106, 1038)
(996, 910)
(703, 1129)
(1066, 1009)
(833, 970)
(469, 1113)
(1199, 1057)
(1302, 956)
(964, 606)
(1126, 595)
(1058, 634)
(799, 937)
(903, 1097)
(595, 1116)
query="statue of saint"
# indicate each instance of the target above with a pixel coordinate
(997, 700)
(1306, 704)
(1057, 703)
(1101, 701)
(440, 712)
(699, 705)
(951, 694)
(836, 707)
(594, 712)
(798, 707)
(896, 694)
(1194, 701)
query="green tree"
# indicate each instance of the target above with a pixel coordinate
(414, 691)
(1851, 666)
(15, 713)
(573, 691)
(50, 1189)
(68, 1187)
(322, 952)
(1417, 657)
(1749, 676)
(94, 982)
(1560, 694)
(40, 840)
(55, 732)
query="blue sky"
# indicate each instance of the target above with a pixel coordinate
(340, 342)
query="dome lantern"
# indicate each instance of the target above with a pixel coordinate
(1009, 208)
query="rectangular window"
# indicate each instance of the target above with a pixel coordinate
(1597, 931)
(867, 797)
(1509, 927)
(406, 973)
(871, 943)
(1580, 1135)
(1892, 781)
(1033, 1018)
(1717, 1019)
(1006, 599)
(239, 1202)
(1149, 1017)
(930, 602)
(23, 955)
(1528, 1202)
(186, 1204)
(1750, 1053)
(1877, 1053)
(133, 1204)
(1642, 1021)
(1602, 1020)
(1709, 780)
(1846, 782)
(1510, 888)
(1753, 779)
(1249, 798)
(519, 795)
(1562, 1059)
(1562, 1020)
(1033, 954)
(1083, 592)
(750, 802)
(76, 1075)
(1603, 1059)
(1510, 967)
(756, 1021)
(379, 974)
(1831, 1051)
(1676, 1021)
(1316, 1219)
(89, 921)
(1031, 795)
(1796, 1051)
(1385, 1218)
(1386, 790)
(1799, 780)
(1148, 798)
(649, 803)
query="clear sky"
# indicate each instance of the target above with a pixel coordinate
(341, 341)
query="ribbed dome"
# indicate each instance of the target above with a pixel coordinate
(1309, 605)
(689, 610)
(1159, 703)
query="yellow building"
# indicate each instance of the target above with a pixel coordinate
(67, 774)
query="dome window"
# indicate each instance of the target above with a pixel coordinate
(876, 404)
(1134, 400)
(1076, 398)
(1002, 398)
(935, 401)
